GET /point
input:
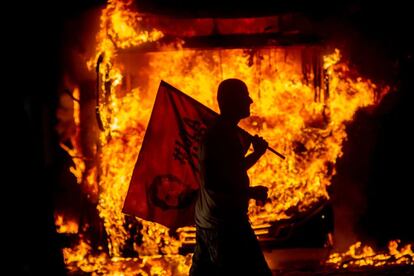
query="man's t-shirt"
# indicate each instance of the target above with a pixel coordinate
(223, 196)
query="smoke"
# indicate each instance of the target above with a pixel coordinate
(349, 197)
(370, 192)
(373, 185)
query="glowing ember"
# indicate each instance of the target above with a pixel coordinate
(65, 225)
(359, 255)
(308, 130)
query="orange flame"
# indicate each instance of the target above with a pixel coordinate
(358, 255)
(120, 28)
(79, 165)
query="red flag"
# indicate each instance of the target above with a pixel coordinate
(165, 179)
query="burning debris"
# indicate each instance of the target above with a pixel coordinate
(359, 255)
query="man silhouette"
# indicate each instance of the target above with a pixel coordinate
(225, 241)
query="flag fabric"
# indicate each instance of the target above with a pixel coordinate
(165, 179)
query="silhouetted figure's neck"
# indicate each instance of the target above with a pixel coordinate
(228, 120)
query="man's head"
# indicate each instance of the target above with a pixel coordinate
(233, 99)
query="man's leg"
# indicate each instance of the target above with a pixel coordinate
(254, 252)
(239, 252)
(202, 265)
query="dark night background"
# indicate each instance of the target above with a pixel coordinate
(378, 154)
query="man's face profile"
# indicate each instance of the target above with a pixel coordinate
(233, 98)
(244, 101)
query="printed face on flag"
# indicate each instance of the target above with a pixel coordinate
(169, 192)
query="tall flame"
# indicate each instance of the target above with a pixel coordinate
(308, 131)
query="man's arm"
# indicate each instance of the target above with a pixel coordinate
(259, 146)
(251, 159)
(259, 193)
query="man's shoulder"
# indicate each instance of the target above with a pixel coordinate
(219, 132)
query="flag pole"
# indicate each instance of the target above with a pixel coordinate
(211, 111)
(268, 148)
(277, 153)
